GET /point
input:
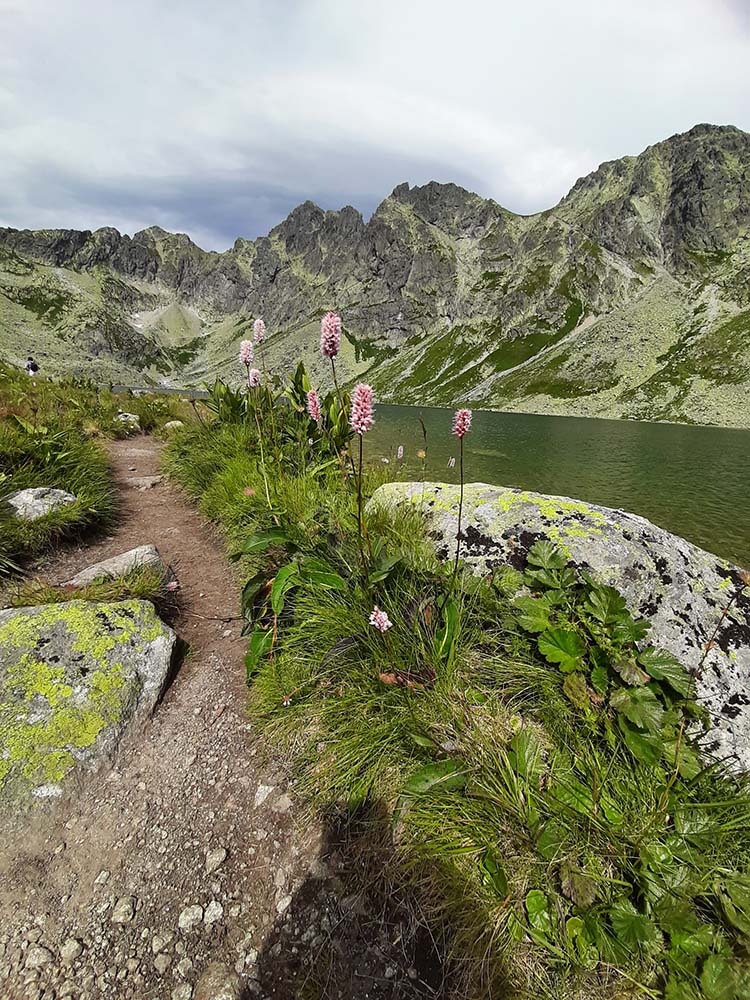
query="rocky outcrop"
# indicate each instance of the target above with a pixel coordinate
(74, 678)
(680, 589)
(144, 556)
(628, 298)
(40, 500)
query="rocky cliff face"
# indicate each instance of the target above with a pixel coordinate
(629, 298)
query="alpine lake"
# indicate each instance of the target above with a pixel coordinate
(692, 480)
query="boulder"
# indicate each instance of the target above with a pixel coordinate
(173, 425)
(74, 678)
(38, 501)
(681, 589)
(130, 418)
(143, 555)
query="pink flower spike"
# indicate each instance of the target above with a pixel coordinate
(330, 335)
(247, 353)
(362, 408)
(461, 422)
(313, 406)
(380, 620)
(253, 378)
(259, 329)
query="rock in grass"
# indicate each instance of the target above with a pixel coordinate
(142, 556)
(679, 588)
(173, 425)
(33, 503)
(73, 678)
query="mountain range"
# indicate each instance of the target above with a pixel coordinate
(630, 298)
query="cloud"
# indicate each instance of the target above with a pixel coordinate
(217, 121)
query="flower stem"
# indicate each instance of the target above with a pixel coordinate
(460, 508)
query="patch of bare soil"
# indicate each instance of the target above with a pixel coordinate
(187, 871)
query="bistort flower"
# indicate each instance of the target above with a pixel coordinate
(362, 408)
(330, 335)
(380, 620)
(461, 422)
(253, 378)
(313, 406)
(247, 353)
(259, 329)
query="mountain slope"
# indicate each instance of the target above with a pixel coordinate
(629, 298)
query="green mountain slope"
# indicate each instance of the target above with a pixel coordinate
(630, 298)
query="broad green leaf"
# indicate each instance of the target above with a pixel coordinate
(607, 605)
(423, 741)
(580, 944)
(735, 901)
(562, 646)
(647, 747)
(493, 874)
(261, 641)
(262, 540)
(550, 841)
(526, 754)
(546, 555)
(573, 794)
(687, 761)
(717, 978)
(319, 574)
(286, 578)
(600, 679)
(383, 569)
(538, 912)
(640, 706)
(443, 774)
(629, 670)
(632, 928)
(534, 613)
(665, 667)
(577, 885)
(445, 636)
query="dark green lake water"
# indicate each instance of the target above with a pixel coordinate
(693, 481)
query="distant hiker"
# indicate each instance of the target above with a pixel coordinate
(31, 367)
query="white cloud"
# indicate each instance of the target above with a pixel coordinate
(217, 120)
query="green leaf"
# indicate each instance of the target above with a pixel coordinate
(562, 646)
(493, 874)
(686, 760)
(546, 555)
(647, 747)
(261, 642)
(600, 679)
(286, 578)
(319, 574)
(735, 901)
(262, 540)
(665, 667)
(383, 569)
(576, 691)
(537, 909)
(629, 670)
(443, 774)
(606, 604)
(526, 754)
(717, 978)
(550, 840)
(446, 635)
(632, 928)
(535, 612)
(640, 706)
(577, 885)
(423, 741)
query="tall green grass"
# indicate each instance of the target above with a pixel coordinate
(562, 850)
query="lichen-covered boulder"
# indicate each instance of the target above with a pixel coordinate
(681, 589)
(73, 678)
(173, 425)
(126, 562)
(38, 501)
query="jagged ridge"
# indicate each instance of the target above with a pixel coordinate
(629, 298)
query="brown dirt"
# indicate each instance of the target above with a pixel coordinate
(287, 923)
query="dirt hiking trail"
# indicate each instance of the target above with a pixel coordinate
(187, 871)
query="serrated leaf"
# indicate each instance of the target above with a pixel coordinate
(534, 613)
(493, 874)
(664, 667)
(717, 978)
(629, 670)
(630, 630)
(640, 706)
(600, 679)
(606, 604)
(646, 746)
(632, 928)
(443, 774)
(526, 754)
(577, 885)
(562, 646)
(546, 555)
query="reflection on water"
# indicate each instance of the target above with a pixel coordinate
(691, 480)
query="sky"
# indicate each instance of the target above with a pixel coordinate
(216, 119)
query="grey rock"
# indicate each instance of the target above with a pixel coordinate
(70, 950)
(173, 425)
(38, 956)
(218, 982)
(143, 482)
(162, 963)
(126, 562)
(130, 418)
(33, 503)
(182, 992)
(678, 587)
(214, 912)
(161, 941)
(124, 910)
(190, 917)
(215, 859)
(108, 663)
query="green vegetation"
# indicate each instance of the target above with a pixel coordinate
(531, 761)
(145, 583)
